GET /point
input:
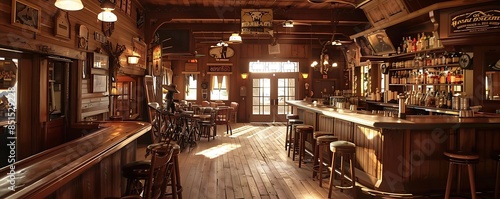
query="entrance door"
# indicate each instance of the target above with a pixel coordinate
(269, 93)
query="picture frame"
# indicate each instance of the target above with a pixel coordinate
(99, 83)
(100, 61)
(26, 15)
(380, 42)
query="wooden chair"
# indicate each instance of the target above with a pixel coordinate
(205, 104)
(159, 172)
(223, 118)
(234, 105)
(208, 127)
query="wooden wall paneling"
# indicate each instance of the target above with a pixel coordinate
(90, 183)
(128, 154)
(110, 176)
(325, 123)
(392, 168)
(486, 168)
(368, 148)
(28, 126)
(343, 129)
(71, 189)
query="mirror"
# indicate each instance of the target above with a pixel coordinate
(492, 76)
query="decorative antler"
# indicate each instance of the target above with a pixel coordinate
(114, 57)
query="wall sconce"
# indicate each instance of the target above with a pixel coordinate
(107, 15)
(244, 75)
(305, 75)
(133, 59)
(334, 64)
(70, 5)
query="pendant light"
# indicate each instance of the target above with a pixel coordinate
(70, 5)
(107, 15)
(235, 38)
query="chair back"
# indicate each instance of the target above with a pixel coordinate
(223, 115)
(154, 110)
(234, 105)
(205, 103)
(160, 171)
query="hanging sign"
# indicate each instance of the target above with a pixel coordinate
(256, 21)
(478, 20)
(219, 68)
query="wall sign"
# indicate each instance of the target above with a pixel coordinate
(219, 68)
(477, 20)
(256, 21)
(62, 26)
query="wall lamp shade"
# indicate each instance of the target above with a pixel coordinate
(336, 43)
(107, 15)
(114, 91)
(235, 38)
(70, 5)
(133, 59)
(244, 75)
(305, 75)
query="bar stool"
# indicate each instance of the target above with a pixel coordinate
(289, 139)
(343, 149)
(461, 158)
(497, 183)
(290, 120)
(321, 142)
(302, 131)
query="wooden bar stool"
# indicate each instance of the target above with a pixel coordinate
(497, 183)
(322, 142)
(302, 131)
(290, 120)
(343, 149)
(291, 140)
(461, 158)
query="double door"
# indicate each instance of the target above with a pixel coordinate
(270, 91)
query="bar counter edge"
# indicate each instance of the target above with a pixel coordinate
(87, 167)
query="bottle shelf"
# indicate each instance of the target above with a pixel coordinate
(420, 67)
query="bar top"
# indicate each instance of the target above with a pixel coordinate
(411, 121)
(54, 166)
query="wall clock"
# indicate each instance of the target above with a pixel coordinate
(221, 52)
(465, 61)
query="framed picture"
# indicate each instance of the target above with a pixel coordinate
(25, 15)
(99, 83)
(380, 43)
(100, 61)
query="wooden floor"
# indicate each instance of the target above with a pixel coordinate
(252, 163)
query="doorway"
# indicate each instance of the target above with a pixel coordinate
(270, 91)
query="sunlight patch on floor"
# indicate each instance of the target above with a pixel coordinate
(242, 131)
(262, 131)
(218, 150)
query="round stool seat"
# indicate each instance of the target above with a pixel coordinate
(326, 138)
(303, 128)
(316, 134)
(461, 156)
(295, 121)
(292, 116)
(342, 146)
(202, 116)
(137, 169)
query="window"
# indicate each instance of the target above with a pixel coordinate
(191, 87)
(273, 67)
(220, 87)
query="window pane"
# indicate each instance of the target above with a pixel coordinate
(191, 90)
(219, 89)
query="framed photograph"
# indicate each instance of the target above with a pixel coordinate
(100, 61)
(380, 43)
(25, 15)
(99, 83)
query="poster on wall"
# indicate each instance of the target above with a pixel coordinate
(157, 60)
(478, 20)
(256, 21)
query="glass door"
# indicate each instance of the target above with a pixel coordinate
(269, 93)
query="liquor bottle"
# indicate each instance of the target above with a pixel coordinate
(414, 45)
(452, 78)
(449, 98)
(419, 42)
(408, 45)
(442, 78)
(427, 42)
(403, 45)
(456, 56)
(437, 98)
(422, 42)
(459, 77)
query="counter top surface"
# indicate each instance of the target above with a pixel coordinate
(65, 161)
(411, 121)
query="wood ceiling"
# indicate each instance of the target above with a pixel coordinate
(211, 21)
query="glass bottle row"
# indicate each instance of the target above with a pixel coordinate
(441, 76)
(428, 59)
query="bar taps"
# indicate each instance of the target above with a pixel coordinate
(402, 106)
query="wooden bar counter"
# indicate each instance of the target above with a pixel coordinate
(88, 167)
(405, 156)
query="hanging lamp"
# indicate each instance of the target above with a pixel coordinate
(107, 15)
(70, 5)
(235, 38)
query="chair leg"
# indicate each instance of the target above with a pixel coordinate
(353, 175)
(286, 136)
(448, 182)
(471, 181)
(332, 174)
